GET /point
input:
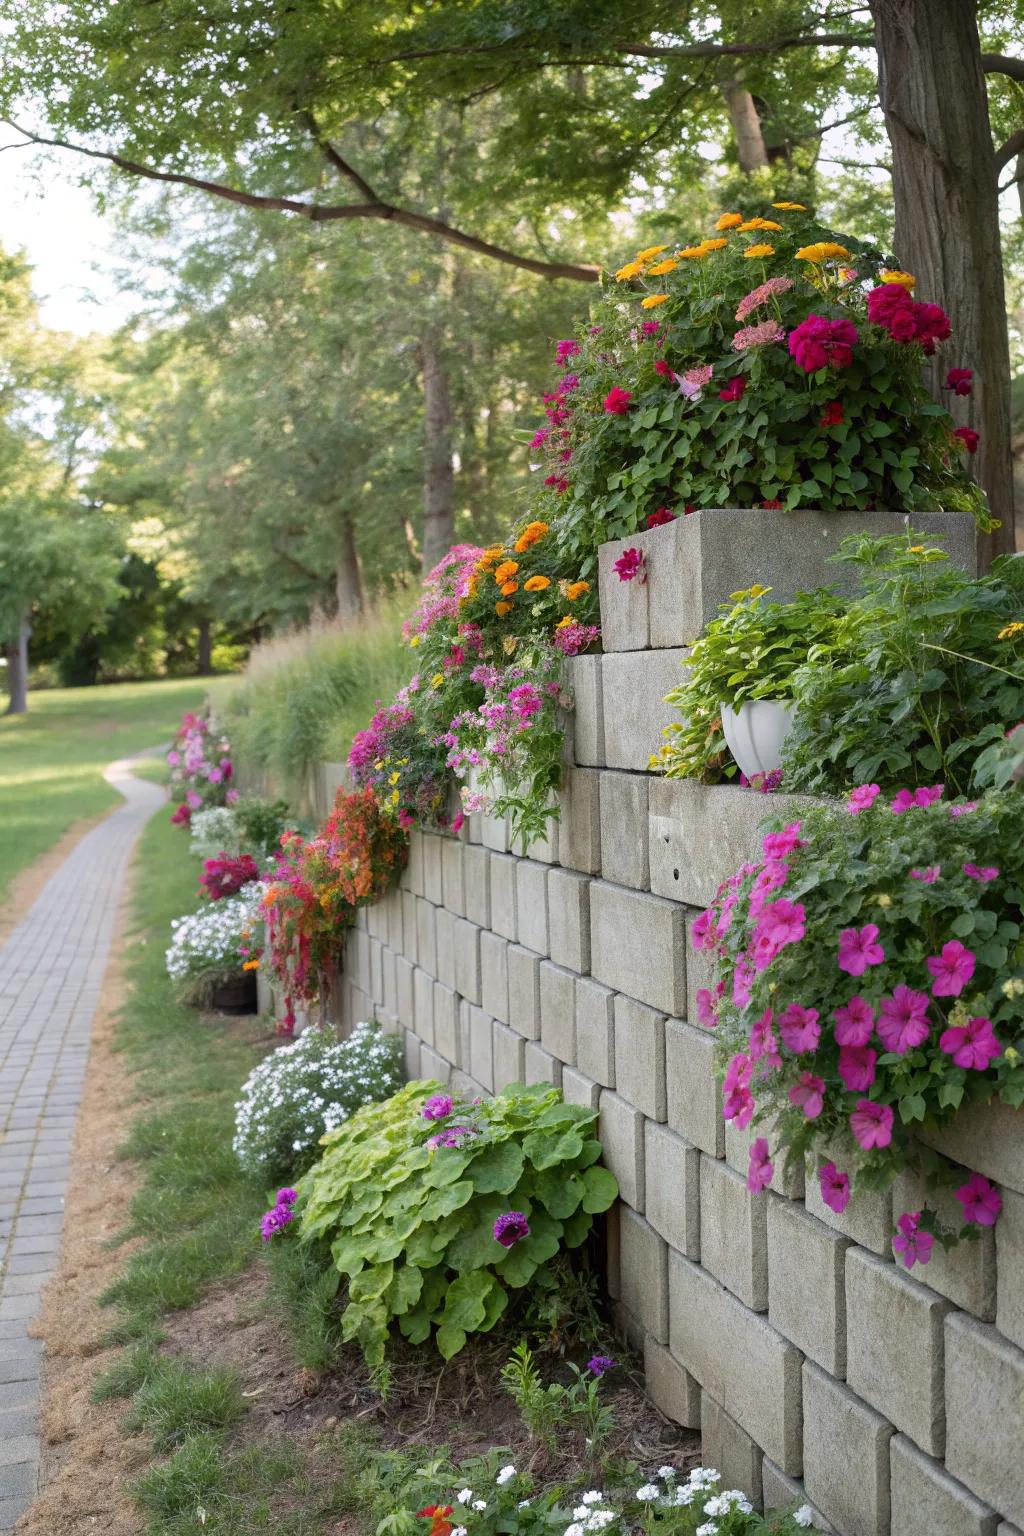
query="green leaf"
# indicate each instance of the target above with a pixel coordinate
(466, 1299)
(601, 1190)
(498, 1169)
(545, 1150)
(405, 1289)
(912, 1108)
(450, 1339)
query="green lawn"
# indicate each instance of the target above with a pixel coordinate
(52, 759)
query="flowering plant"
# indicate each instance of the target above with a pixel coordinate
(871, 981)
(201, 768)
(770, 364)
(226, 875)
(306, 1088)
(215, 943)
(436, 1209)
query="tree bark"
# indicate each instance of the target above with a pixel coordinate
(932, 91)
(348, 576)
(16, 654)
(204, 648)
(438, 469)
(746, 126)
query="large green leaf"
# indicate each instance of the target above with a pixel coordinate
(601, 1190)
(450, 1339)
(498, 1169)
(405, 1289)
(465, 1303)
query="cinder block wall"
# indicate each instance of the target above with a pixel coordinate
(814, 1367)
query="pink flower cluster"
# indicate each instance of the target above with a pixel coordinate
(821, 343)
(443, 589)
(761, 295)
(758, 335)
(892, 307)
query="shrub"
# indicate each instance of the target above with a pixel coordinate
(215, 830)
(250, 825)
(435, 1210)
(201, 768)
(214, 944)
(304, 1089)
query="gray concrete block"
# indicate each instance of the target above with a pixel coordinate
(413, 878)
(444, 935)
(624, 621)
(494, 975)
(894, 1347)
(727, 1447)
(734, 1233)
(476, 873)
(426, 935)
(423, 1005)
(640, 1057)
(452, 875)
(446, 1023)
(396, 927)
(433, 879)
(620, 1130)
(786, 1181)
(636, 946)
(670, 1387)
(434, 1065)
(558, 1011)
(846, 1456)
(868, 1219)
(925, 1498)
(672, 1202)
(569, 919)
(539, 1066)
(481, 1048)
(389, 997)
(467, 959)
(780, 1492)
(984, 1393)
(377, 921)
(410, 926)
(966, 1274)
(694, 1093)
(635, 686)
(532, 905)
(508, 1056)
(643, 1256)
(807, 1284)
(495, 833)
(738, 1359)
(404, 979)
(579, 825)
(1009, 1232)
(624, 842)
(579, 1089)
(465, 1013)
(503, 895)
(988, 1138)
(523, 991)
(595, 1031)
(583, 675)
(411, 1055)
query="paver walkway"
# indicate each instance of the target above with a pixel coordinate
(51, 972)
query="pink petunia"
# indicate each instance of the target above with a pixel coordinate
(783, 921)
(800, 1029)
(759, 1173)
(871, 1124)
(861, 798)
(914, 1245)
(777, 845)
(903, 1019)
(927, 876)
(738, 1106)
(981, 1200)
(984, 874)
(907, 799)
(809, 1094)
(706, 1013)
(702, 930)
(951, 970)
(972, 1045)
(854, 1022)
(857, 1067)
(859, 948)
(763, 1043)
(835, 1187)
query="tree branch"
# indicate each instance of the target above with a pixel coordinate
(863, 39)
(1010, 150)
(329, 212)
(1003, 64)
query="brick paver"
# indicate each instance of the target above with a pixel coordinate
(51, 972)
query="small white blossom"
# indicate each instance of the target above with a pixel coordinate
(504, 1475)
(460, 1530)
(735, 1498)
(667, 1472)
(708, 1529)
(464, 1495)
(600, 1518)
(686, 1494)
(716, 1506)
(575, 1529)
(703, 1477)
(648, 1492)
(803, 1515)
(479, 1503)
(593, 1496)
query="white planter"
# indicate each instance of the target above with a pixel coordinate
(754, 734)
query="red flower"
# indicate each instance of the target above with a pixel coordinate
(659, 518)
(436, 1514)
(968, 437)
(892, 307)
(733, 390)
(630, 564)
(689, 508)
(932, 324)
(559, 482)
(820, 343)
(772, 506)
(959, 381)
(833, 414)
(887, 301)
(616, 401)
(663, 369)
(182, 816)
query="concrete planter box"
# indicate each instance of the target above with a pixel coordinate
(694, 563)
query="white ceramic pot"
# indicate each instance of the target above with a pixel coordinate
(754, 734)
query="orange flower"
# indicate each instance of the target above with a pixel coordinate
(729, 221)
(822, 250)
(714, 245)
(531, 534)
(663, 267)
(759, 224)
(650, 251)
(652, 300)
(506, 570)
(537, 583)
(630, 270)
(437, 1514)
(759, 250)
(251, 965)
(501, 609)
(576, 589)
(695, 251)
(791, 207)
(564, 623)
(489, 556)
(508, 587)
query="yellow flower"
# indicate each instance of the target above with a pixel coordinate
(1014, 987)
(759, 250)
(729, 221)
(694, 251)
(714, 245)
(395, 797)
(501, 609)
(758, 224)
(394, 777)
(437, 680)
(1012, 1056)
(916, 549)
(509, 644)
(414, 642)
(904, 279)
(653, 300)
(1011, 629)
(883, 900)
(509, 587)
(650, 252)
(379, 763)
(824, 250)
(487, 559)
(847, 274)
(791, 207)
(630, 270)
(663, 267)
(506, 570)
(576, 589)
(536, 583)
(564, 623)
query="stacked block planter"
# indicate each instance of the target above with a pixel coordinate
(814, 1367)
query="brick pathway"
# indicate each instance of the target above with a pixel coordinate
(51, 971)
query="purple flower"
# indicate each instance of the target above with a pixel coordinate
(859, 948)
(835, 1187)
(438, 1107)
(952, 969)
(985, 874)
(928, 875)
(598, 1364)
(630, 564)
(915, 1245)
(759, 1171)
(981, 1200)
(971, 1046)
(275, 1221)
(854, 1022)
(511, 1228)
(287, 1196)
(903, 1019)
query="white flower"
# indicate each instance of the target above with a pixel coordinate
(573, 1530)
(581, 1513)
(803, 1515)
(667, 1472)
(523, 1504)
(600, 1518)
(460, 1530)
(504, 1475)
(709, 1529)
(735, 1498)
(716, 1506)
(648, 1492)
(594, 1496)
(703, 1477)
(464, 1495)
(479, 1503)
(686, 1494)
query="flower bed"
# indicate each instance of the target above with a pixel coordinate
(215, 944)
(201, 768)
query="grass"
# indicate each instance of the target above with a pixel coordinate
(52, 759)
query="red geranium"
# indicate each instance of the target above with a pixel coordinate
(437, 1514)
(733, 390)
(663, 369)
(659, 518)
(959, 380)
(968, 437)
(832, 415)
(616, 401)
(225, 876)
(821, 343)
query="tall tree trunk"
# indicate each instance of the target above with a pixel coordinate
(348, 577)
(16, 655)
(932, 91)
(438, 473)
(746, 126)
(204, 648)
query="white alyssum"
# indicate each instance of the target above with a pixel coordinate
(709, 1529)
(599, 1518)
(804, 1515)
(210, 940)
(593, 1496)
(214, 831)
(505, 1475)
(464, 1496)
(648, 1493)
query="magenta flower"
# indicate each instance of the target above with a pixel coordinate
(597, 1365)
(907, 799)
(800, 1029)
(438, 1107)
(738, 1105)
(742, 980)
(859, 948)
(778, 845)
(915, 1245)
(702, 930)
(566, 349)
(871, 1124)
(511, 1228)
(981, 1200)
(857, 1067)
(835, 1187)
(927, 876)
(706, 1013)
(821, 343)
(854, 1022)
(952, 969)
(783, 921)
(630, 564)
(763, 1042)
(985, 874)
(903, 1019)
(973, 1045)
(860, 799)
(759, 1172)
(809, 1094)
(616, 401)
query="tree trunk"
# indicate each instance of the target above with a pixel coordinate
(438, 474)
(204, 648)
(16, 654)
(746, 126)
(348, 577)
(932, 91)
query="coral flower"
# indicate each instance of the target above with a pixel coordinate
(821, 343)
(437, 1514)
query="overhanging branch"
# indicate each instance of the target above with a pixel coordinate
(1010, 150)
(1003, 64)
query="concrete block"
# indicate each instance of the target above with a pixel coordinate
(636, 946)
(595, 1030)
(423, 1005)
(868, 1219)
(670, 1387)
(404, 982)
(433, 879)
(396, 927)
(984, 1393)
(1006, 1529)
(495, 833)
(620, 1130)
(446, 1023)
(569, 919)
(481, 1048)
(640, 1057)
(624, 843)
(390, 994)
(413, 878)
(624, 622)
(524, 991)
(612, 1250)
(846, 1456)
(635, 686)
(539, 1066)
(786, 1181)
(452, 875)
(579, 825)
(583, 675)
(465, 1012)
(578, 1089)
(494, 975)
(410, 926)
(807, 1284)
(426, 935)
(467, 959)
(694, 1093)
(508, 1056)
(433, 1064)
(503, 895)
(558, 1011)
(894, 1347)
(544, 849)
(734, 1233)
(476, 874)
(411, 1055)
(532, 905)
(644, 1274)
(1009, 1232)
(672, 1184)
(738, 1359)
(361, 971)
(780, 1492)
(377, 921)
(988, 1138)
(376, 986)
(966, 1274)
(444, 935)
(727, 1447)
(925, 1498)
